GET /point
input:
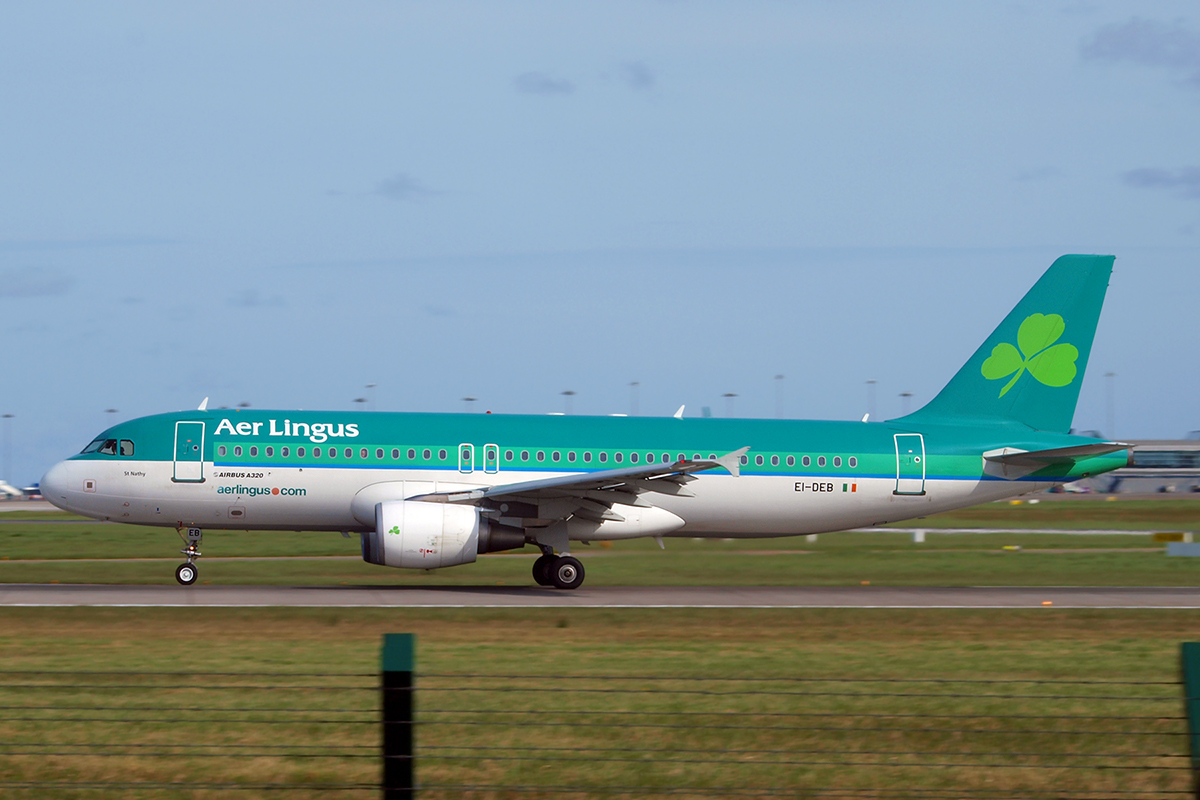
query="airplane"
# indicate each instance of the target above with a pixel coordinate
(427, 491)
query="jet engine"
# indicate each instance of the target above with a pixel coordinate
(420, 535)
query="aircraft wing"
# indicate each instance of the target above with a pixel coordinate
(592, 494)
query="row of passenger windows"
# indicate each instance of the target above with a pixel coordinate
(510, 456)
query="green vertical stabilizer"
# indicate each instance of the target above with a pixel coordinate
(1031, 367)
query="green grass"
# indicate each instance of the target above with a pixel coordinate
(573, 649)
(36, 551)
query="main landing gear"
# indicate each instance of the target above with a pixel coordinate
(565, 572)
(187, 573)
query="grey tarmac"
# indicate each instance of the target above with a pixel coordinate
(399, 596)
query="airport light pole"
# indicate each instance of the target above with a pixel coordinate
(467, 403)
(729, 403)
(633, 398)
(1111, 431)
(871, 398)
(361, 401)
(904, 398)
(778, 397)
(568, 394)
(7, 446)
(370, 387)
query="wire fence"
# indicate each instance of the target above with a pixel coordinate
(478, 735)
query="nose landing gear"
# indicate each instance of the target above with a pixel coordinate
(187, 573)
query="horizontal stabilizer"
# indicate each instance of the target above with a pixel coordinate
(1011, 463)
(1059, 455)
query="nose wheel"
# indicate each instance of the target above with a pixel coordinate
(187, 573)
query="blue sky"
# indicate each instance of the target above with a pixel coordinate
(280, 203)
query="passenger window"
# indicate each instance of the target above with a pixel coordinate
(524, 455)
(126, 447)
(806, 461)
(554, 456)
(758, 461)
(712, 457)
(745, 460)
(270, 452)
(378, 453)
(395, 454)
(791, 461)
(466, 455)
(617, 457)
(837, 461)
(508, 455)
(426, 454)
(571, 456)
(411, 454)
(667, 458)
(587, 458)
(820, 461)
(221, 450)
(603, 457)
(853, 462)
(649, 458)
(317, 452)
(284, 451)
(299, 452)
(696, 457)
(253, 451)
(237, 451)
(633, 457)
(361, 453)
(774, 461)
(442, 455)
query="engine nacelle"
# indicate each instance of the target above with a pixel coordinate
(418, 535)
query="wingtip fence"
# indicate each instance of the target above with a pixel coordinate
(484, 735)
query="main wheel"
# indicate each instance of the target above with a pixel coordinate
(567, 573)
(186, 574)
(541, 570)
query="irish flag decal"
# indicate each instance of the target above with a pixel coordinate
(849, 487)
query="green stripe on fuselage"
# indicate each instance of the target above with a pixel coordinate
(952, 451)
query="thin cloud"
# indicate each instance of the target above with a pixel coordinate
(637, 75)
(1149, 43)
(1185, 180)
(1038, 174)
(402, 186)
(252, 298)
(33, 282)
(541, 83)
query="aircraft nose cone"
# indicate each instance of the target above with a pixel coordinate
(54, 485)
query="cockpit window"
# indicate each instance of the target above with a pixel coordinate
(126, 447)
(109, 448)
(95, 445)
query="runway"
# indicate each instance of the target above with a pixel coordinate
(46, 595)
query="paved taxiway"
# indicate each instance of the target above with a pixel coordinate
(597, 597)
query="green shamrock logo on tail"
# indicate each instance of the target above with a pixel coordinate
(1052, 364)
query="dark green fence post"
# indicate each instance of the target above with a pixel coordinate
(399, 766)
(1190, 662)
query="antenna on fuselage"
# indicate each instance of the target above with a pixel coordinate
(203, 405)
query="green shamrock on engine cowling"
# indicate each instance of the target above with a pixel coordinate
(1052, 364)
